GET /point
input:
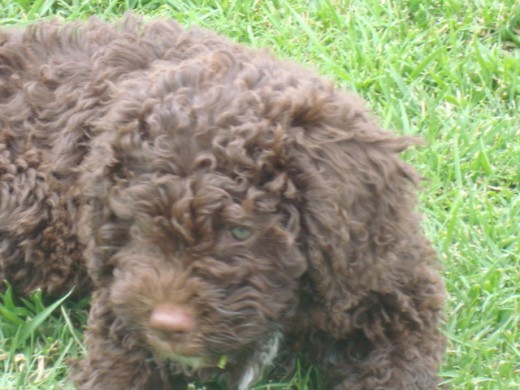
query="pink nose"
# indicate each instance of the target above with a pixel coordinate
(171, 318)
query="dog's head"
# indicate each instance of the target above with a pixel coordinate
(192, 222)
(222, 186)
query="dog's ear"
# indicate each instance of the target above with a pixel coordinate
(359, 230)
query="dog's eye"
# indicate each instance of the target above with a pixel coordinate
(241, 233)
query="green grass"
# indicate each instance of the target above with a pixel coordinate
(448, 70)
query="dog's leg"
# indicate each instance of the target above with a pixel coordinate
(404, 361)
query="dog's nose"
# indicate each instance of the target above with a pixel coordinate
(171, 318)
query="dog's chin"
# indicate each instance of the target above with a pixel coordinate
(187, 363)
(186, 356)
(190, 363)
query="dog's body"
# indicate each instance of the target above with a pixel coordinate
(217, 203)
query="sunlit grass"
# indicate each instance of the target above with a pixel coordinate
(448, 71)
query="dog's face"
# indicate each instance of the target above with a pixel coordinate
(204, 274)
(194, 218)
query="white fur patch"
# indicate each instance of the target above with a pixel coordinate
(262, 358)
(247, 378)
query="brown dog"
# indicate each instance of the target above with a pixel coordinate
(225, 204)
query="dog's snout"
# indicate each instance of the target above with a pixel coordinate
(172, 318)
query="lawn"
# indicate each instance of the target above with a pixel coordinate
(447, 70)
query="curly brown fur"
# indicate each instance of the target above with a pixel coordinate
(202, 184)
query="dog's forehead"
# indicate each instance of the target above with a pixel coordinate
(213, 193)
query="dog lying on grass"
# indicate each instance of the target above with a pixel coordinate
(219, 205)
